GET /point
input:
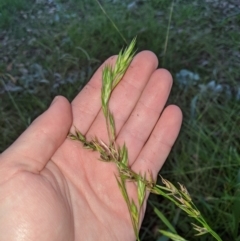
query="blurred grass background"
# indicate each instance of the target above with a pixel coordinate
(50, 47)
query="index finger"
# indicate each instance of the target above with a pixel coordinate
(87, 104)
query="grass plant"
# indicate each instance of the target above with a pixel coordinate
(111, 76)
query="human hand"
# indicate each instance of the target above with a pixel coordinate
(51, 188)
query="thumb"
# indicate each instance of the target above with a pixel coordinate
(37, 144)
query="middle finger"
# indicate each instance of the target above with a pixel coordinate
(144, 117)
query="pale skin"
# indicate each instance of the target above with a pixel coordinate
(53, 189)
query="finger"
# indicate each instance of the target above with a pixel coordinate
(144, 117)
(157, 148)
(126, 94)
(87, 103)
(34, 148)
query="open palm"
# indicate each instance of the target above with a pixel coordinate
(51, 188)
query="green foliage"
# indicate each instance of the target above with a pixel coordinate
(8, 10)
(72, 42)
(172, 236)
